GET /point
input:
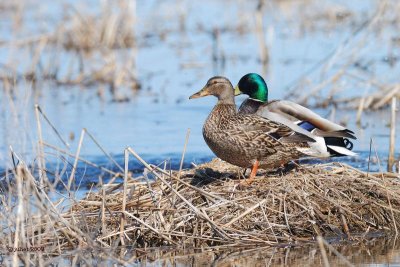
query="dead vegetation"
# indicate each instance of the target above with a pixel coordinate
(352, 74)
(204, 208)
(84, 48)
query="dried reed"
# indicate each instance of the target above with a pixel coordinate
(100, 48)
(392, 141)
(201, 207)
(329, 200)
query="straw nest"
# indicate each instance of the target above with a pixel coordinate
(204, 207)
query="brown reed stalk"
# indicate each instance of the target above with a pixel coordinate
(183, 153)
(78, 151)
(181, 163)
(41, 160)
(337, 253)
(392, 141)
(108, 155)
(323, 251)
(82, 160)
(53, 127)
(126, 168)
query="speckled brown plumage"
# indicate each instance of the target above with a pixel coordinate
(243, 139)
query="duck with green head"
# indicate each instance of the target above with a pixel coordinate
(248, 140)
(332, 139)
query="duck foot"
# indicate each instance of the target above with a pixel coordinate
(253, 173)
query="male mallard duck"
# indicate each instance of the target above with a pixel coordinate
(248, 140)
(332, 139)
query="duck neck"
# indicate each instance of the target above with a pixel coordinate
(230, 100)
(224, 109)
(250, 106)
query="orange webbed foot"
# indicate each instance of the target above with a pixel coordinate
(253, 174)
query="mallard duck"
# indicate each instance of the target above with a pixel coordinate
(248, 140)
(332, 139)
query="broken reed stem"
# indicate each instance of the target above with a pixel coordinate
(245, 213)
(337, 253)
(369, 155)
(126, 167)
(103, 207)
(181, 163)
(323, 251)
(183, 153)
(81, 159)
(20, 213)
(103, 150)
(53, 128)
(41, 160)
(78, 151)
(150, 227)
(392, 141)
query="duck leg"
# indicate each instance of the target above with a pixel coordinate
(253, 173)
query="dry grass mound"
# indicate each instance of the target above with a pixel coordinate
(203, 207)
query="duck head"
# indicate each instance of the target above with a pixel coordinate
(254, 86)
(217, 86)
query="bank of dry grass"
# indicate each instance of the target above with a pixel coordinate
(199, 207)
(204, 207)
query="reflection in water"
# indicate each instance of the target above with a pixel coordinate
(372, 252)
(377, 251)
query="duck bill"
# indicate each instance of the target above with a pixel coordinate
(237, 90)
(200, 93)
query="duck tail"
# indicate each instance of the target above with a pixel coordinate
(335, 143)
(338, 147)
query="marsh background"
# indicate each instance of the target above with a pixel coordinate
(124, 70)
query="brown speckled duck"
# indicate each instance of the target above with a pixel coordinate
(248, 141)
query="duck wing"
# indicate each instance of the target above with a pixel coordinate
(293, 112)
(276, 129)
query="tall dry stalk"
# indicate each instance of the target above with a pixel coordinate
(41, 158)
(391, 159)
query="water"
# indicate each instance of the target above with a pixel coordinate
(172, 67)
(175, 56)
(377, 251)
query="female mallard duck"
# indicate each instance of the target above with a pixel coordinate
(332, 139)
(248, 140)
